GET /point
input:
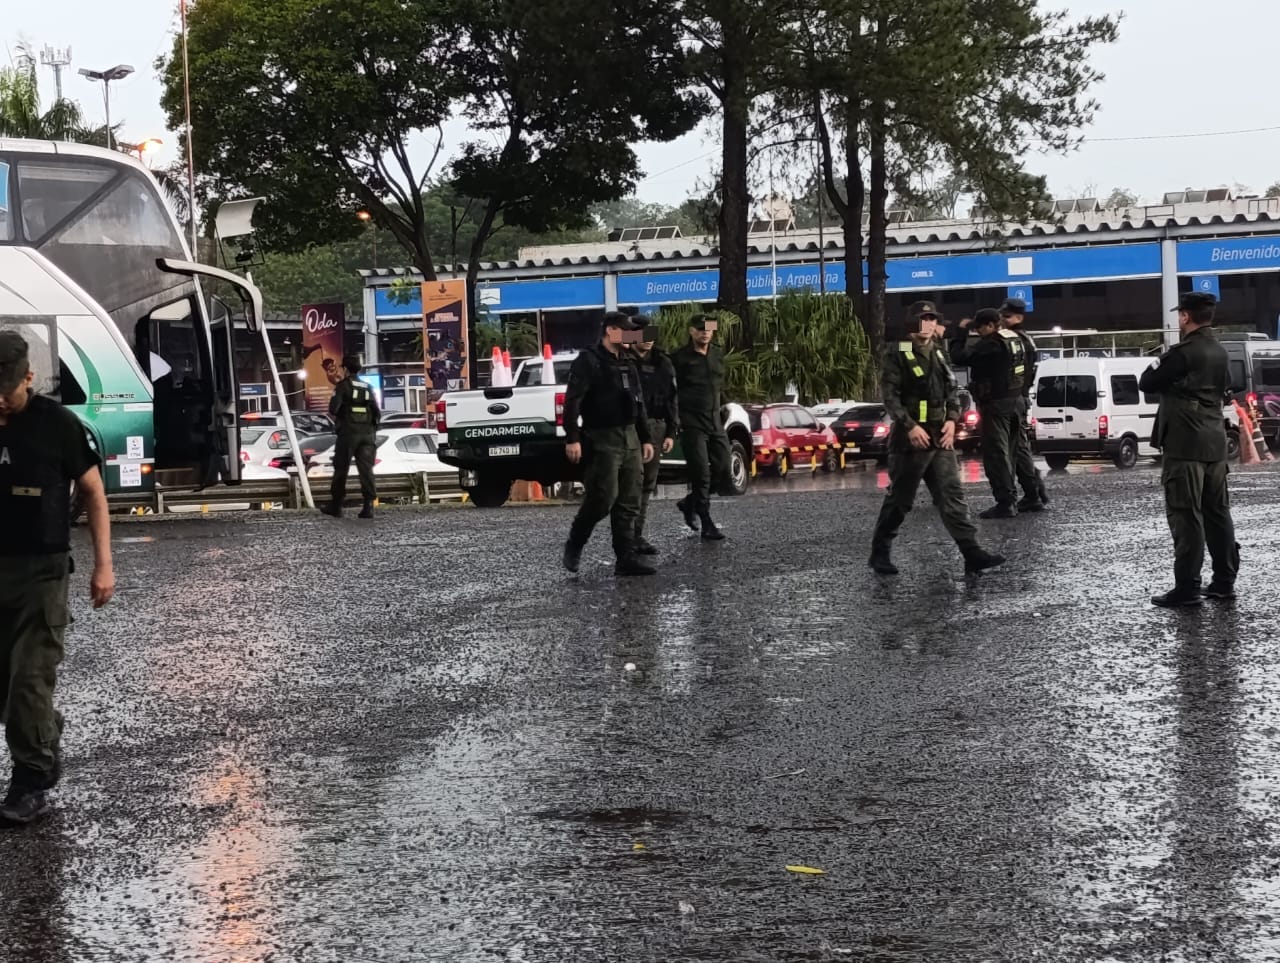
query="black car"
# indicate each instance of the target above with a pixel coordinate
(866, 426)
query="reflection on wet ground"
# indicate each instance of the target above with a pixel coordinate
(307, 740)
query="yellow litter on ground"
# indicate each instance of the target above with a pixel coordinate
(806, 870)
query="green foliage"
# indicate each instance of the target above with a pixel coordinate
(520, 338)
(811, 341)
(21, 115)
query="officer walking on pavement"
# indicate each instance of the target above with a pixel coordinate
(658, 379)
(699, 367)
(1034, 494)
(43, 451)
(613, 443)
(997, 371)
(1193, 382)
(355, 409)
(920, 396)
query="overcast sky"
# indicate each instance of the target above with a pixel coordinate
(1181, 67)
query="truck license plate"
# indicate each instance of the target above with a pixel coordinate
(503, 451)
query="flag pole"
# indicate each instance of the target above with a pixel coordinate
(191, 157)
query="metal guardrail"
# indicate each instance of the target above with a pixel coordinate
(413, 488)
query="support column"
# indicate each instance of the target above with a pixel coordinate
(371, 358)
(611, 292)
(1169, 290)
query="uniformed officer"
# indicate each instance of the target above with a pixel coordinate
(658, 379)
(997, 371)
(1035, 496)
(699, 367)
(1193, 382)
(43, 450)
(355, 409)
(613, 443)
(920, 396)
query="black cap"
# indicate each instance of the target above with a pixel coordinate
(923, 309)
(1196, 301)
(15, 360)
(1014, 306)
(986, 316)
(352, 364)
(616, 319)
(699, 321)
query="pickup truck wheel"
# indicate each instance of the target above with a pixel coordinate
(1233, 445)
(490, 492)
(739, 466)
(1058, 462)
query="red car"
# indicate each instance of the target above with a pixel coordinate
(787, 436)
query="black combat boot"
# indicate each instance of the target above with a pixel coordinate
(1029, 504)
(367, 510)
(689, 511)
(644, 547)
(633, 565)
(333, 510)
(979, 560)
(25, 802)
(1181, 597)
(880, 562)
(1000, 510)
(1220, 591)
(572, 555)
(710, 530)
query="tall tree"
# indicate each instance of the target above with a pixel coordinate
(976, 82)
(323, 108)
(22, 114)
(734, 46)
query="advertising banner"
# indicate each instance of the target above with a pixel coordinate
(323, 332)
(444, 334)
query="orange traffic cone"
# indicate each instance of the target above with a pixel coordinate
(535, 492)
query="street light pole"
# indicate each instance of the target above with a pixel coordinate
(118, 72)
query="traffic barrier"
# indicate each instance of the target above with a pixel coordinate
(415, 487)
(1248, 452)
(1259, 440)
(815, 462)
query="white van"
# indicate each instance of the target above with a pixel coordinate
(1084, 408)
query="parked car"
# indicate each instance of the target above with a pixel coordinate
(264, 445)
(407, 419)
(311, 445)
(307, 422)
(969, 428)
(864, 431)
(787, 436)
(400, 451)
(828, 411)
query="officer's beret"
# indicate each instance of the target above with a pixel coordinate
(1014, 306)
(923, 309)
(14, 360)
(1195, 301)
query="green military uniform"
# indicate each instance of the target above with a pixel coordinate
(919, 389)
(604, 392)
(1192, 380)
(1034, 494)
(355, 409)
(997, 372)
(43, 449)
(658, 382)
(700, 390)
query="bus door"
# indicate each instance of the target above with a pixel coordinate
(191, 435)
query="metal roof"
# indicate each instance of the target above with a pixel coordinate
(1231, 218)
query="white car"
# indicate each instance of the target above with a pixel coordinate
(826, 413)
(401, 451)
(252, 472)
(259, 445)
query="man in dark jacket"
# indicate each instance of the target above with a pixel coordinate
(613, 443)
(919, 393)
(1034, 494)
(355, 412)
(1193, 382)
(997, 369)
(699, 368)
(658, 380)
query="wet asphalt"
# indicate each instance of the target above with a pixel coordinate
(295, 739)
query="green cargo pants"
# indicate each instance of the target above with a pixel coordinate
(1000, 432)
(657, 431)
(709, 464)
(1024, 465)
(1198, 507)
(939, 470)
(613, 475)
(363, 444)
(33, 620)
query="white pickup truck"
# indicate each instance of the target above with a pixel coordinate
(495, 436)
